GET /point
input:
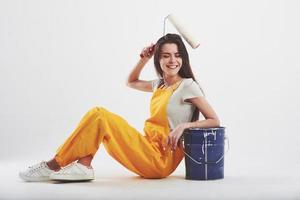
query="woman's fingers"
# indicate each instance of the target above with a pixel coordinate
(175, 140)
(166, 143)
(148, 51)
(172, 142)
(151, 48)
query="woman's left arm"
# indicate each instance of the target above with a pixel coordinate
(211, 120)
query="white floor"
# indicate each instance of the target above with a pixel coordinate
(115, 182)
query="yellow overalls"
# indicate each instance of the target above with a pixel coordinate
(143, 155)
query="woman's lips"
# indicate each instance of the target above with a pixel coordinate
(172, 66)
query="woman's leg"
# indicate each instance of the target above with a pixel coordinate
(122, 142)
(83, 142)
(53, 165)
(86, 161)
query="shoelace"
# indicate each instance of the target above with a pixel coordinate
(37, 167)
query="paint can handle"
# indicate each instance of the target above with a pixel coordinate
(201, 163)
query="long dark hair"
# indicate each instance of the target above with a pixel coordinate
(185, 71)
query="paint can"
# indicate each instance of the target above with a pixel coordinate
(204, 153)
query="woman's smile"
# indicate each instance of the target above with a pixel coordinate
(172, 66)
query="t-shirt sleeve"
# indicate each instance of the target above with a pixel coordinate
(155, 84)
(192, 90)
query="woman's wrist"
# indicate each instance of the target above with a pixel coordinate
(144, 59)
(142, 62)
(186, 125)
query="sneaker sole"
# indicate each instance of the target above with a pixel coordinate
(56, 177)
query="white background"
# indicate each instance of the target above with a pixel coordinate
(60, 58)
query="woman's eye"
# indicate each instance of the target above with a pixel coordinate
(168, 56)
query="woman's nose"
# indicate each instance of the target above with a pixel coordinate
(172, 58)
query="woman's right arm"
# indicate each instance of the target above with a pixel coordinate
(133, 80)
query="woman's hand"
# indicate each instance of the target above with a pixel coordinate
(174, 136)
(148, 51)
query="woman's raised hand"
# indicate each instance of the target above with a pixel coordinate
(148, 51)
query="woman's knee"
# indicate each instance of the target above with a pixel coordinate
(98, 109)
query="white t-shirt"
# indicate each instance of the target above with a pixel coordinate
(178, 109)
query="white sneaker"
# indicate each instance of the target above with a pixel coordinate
(74, 172)
(38, 172)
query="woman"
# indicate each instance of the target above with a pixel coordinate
(175, 105)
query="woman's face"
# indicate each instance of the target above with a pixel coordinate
(170, 60)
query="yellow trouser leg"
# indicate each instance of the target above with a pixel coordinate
(121, 141)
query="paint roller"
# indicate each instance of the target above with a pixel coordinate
(183, 31)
